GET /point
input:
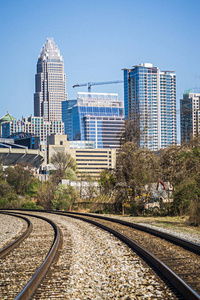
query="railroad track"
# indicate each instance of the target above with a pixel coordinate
(92, 283)
(8, 248)
(23, 268)
(177, 259)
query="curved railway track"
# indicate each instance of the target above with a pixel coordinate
(177, 259)
(133, 285)
(23, 268)
(8, 248)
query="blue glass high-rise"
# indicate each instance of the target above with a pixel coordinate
(95, 117)
(66, 116)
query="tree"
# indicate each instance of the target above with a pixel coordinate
(45, 194)
(107, 183)
(136, 167)
(131, 130)
(19, 178)
(63, 162)
(2, 177)
(64, 197)
(136, 171)
(5, 189)
(180, 166)
(88, 187)
(71, 174)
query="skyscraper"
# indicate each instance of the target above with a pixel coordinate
(94, 117)
(150, 95)
(190, 115)
(50, 88)
(67, 114)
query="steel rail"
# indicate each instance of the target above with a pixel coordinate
(36, 279)
(4, 251)
(176, 281)
(185, 289)
(172, 238)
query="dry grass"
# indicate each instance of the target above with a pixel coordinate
(179, 223)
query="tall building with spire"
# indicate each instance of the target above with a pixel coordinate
(50, 90)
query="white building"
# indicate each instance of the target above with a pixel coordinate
(150, 94)
(50, 89)
(35, 126)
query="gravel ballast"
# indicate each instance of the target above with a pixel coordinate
(183, 232)
(19, 265)
(102, 267)
(10, 227)
(177, 232)
(94, 264)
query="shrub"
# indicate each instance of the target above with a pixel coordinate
(11, 202)
(30, 205)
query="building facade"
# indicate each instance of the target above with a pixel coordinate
(6, 118)
(12, 154)
(82, 145)
(35, 126)
(150, 96)
(50, 89)
(89, 161)
(67, 116)
(190, 115)
(95, 117)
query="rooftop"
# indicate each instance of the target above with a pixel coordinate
(99, 99)
(11, 154)
(7, 118)
(98, 96)
(192, 91)
(50, 51)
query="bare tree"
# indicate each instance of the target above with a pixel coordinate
(45, 194)
(62, 162)
(180, 166)
(131, 131)
(136, 167)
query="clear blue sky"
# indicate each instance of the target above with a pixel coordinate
(96, 39)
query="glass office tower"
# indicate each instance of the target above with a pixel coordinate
(150, 96)
(50, 89)
(66, 116)
(190, 115)
(95, 117)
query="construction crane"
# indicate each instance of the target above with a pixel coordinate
(89, 84)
